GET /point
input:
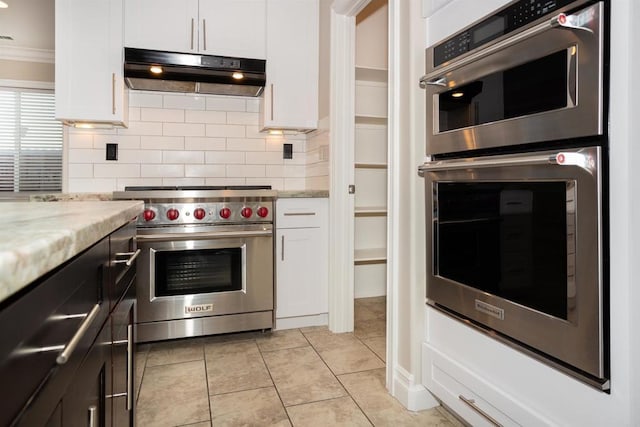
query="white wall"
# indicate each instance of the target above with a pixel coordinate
(186, 139)
(561, 399)
(371, 35)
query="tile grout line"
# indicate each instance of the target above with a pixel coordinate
(341, 383)
(274, 383)
(206, 379)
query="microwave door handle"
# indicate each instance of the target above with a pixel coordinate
(554, 22)
(424, 82)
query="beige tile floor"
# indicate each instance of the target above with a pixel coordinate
(299, 377)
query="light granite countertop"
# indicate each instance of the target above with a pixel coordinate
(37, 237)
(292, 194)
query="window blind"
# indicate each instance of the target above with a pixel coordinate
(30, 141)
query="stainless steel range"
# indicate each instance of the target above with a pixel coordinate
(206, 265)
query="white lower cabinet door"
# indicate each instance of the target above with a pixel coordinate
(302, 276)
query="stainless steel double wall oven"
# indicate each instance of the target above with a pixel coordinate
(206, 262)
(516, 182)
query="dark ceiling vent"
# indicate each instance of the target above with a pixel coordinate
(6, 38)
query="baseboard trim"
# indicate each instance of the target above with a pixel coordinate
(415, 397)
(302, 321)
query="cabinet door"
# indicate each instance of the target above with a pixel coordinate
(123, 361)
(85, 402)
(302, 275)
(291, 94)
(89, 76)
(162, 25)
(233, 28)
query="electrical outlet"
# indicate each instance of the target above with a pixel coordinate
(112, 151)
(287, 151)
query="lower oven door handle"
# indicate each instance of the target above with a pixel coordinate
(562, 159)
(202, 236)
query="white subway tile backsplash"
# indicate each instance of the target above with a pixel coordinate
(225, 181)
(162, 115)
(144, 99)
(285, 171)
(226, 103)
(184, 129)
(204, 143)
(247, 171)
(134, 114)
(182, 181)
(91, 185)
(184, 157)
(162, 143)
(191, 139)
(264, 158)
(253, 105)
(140, 156)
(80, 170)
(142, 129)
(228, 131)
(116, 170)
(124, 182)
(207, 117)
(254, 132)
(275, 183)
(125, 142)
(237, 118)
(294, 184)
(185, 102)
(205, 171)
(224, 157)
(245, 144)
(161, 171)
(80, 140)
(82, 155)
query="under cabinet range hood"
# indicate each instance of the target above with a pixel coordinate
(188, 73)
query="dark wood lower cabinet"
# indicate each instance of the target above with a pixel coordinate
(85, 403)
(67, 348)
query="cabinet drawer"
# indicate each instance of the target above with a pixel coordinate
(301, 213)
(475, 399)
(63, 311)
(122, 261)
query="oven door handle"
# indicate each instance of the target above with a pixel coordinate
(581, 160)
(203, 236)
(560, 21)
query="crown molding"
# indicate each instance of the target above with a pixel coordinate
(26, 54)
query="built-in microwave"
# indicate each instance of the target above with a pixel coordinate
(514, 78)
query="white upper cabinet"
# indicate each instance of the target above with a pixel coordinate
(89, 82)
(214, 27)
(233, 28)
(290, 99)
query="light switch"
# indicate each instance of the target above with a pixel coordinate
(112, 151)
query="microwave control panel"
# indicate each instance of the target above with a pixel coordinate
(504, 21)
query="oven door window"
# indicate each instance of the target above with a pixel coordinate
(198, 271)
(514, 240)
(544, 84)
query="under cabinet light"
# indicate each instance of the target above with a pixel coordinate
(155, 69)
(237, 76)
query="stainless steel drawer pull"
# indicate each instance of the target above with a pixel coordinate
(300, 214)
(192, 25)
(204, 34)
(130, 372)
(472, 405)
(132, 257)
(93, 412)
(282, 249)
(64, 356)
